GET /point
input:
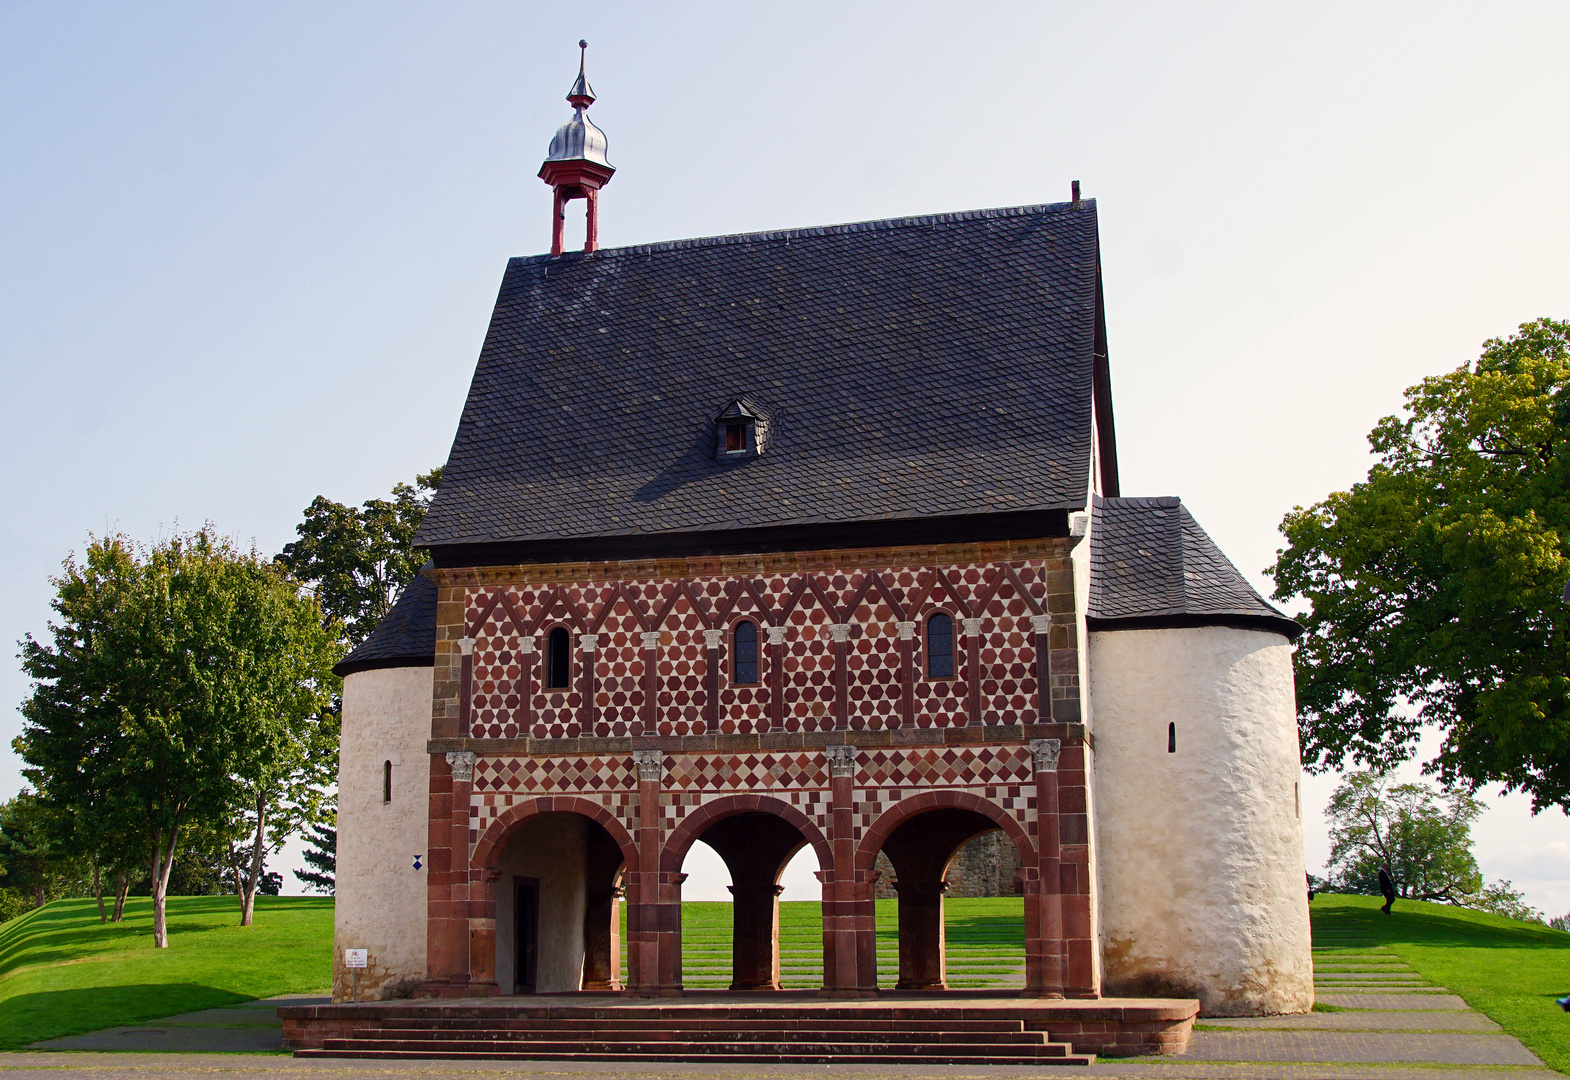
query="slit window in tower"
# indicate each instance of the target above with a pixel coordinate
(735, 437)
(1171, 738)
(386, 781)
(556, 659)
(744, 654)
(940, 647)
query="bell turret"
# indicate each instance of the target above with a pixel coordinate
(576, 167)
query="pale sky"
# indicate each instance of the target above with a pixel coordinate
(248, 252)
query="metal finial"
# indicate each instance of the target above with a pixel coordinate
(582, 94)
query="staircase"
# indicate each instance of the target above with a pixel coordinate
(735, 1035)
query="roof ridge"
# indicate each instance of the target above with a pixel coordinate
(843, 228)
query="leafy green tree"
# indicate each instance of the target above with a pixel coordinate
(196, 680)
(321, 853)
(31, 861)
(1422, 837)
(1435, 585)
(358, 558)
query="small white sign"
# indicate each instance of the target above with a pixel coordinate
(354, 958)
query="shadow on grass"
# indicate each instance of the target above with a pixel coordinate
(1435, 925)
(51, 1014)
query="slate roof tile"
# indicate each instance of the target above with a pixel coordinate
(1150, 561)
(912, 367)
(406, 636)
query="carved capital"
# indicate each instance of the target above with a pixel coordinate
(466, 646)
(774, 634)
(588, 642)
(842, 760)
(651, 639)
(712, 638)
(971, 626)
(651, 764)
(461, 762)
(526, 645)
(1045, 752)
(839, 631)
(906, 630)
(1041, 623)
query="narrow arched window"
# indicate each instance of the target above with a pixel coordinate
(386, 781)
(744, 653)
(940, 647)
(1172, 738)
(558, 649)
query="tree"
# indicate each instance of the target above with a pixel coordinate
(1422, 837)
(358, 558)
(1435, 585)
(185, 686)
(74, 721)
(321, 852)
(31, 862)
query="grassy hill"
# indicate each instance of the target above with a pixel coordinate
(62, 972)
(1511, 971)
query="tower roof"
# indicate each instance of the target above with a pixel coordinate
(406, 636)
(1151, 565)
(910, 369)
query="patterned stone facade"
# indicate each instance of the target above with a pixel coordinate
(843, 736)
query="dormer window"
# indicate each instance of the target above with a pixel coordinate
(740, 431)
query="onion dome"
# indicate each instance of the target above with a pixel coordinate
(578, 139)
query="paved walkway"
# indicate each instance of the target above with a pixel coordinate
(1387, 1025)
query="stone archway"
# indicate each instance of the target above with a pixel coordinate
(583, 844)
(756, 836)
(920, 836)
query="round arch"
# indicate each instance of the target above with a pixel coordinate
(692, 826)
(487, 853)
(872, 840)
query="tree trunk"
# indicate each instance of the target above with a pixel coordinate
(122, 886)
(248, 896)
(98, 890)
(163, 854)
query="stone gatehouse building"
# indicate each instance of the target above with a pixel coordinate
(814, 539)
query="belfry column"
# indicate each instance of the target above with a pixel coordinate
(1044, 903)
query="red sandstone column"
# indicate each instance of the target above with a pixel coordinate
(840, 635)
(482, 936)
(650, 714)
(440, 961)
(461, 763)
(972, 628)
(849, 942)
(644, 911)
(907, 673)
(1079, 966)
(558, 222)
(1042, 625)
(776, 645)
(920, 934)
(591, 236)
(711, 678)
(1044, 931)
(588, 643)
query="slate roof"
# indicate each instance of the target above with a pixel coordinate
(406, 636)
(1151, 564)
(911, 367)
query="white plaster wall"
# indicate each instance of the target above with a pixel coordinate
(381, 898)
(551, 848)
(1201, 851)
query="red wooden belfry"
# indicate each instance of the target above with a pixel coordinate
(576, 167)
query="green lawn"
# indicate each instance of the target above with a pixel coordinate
(1509, 970)
(986, 943)
(62, 972)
